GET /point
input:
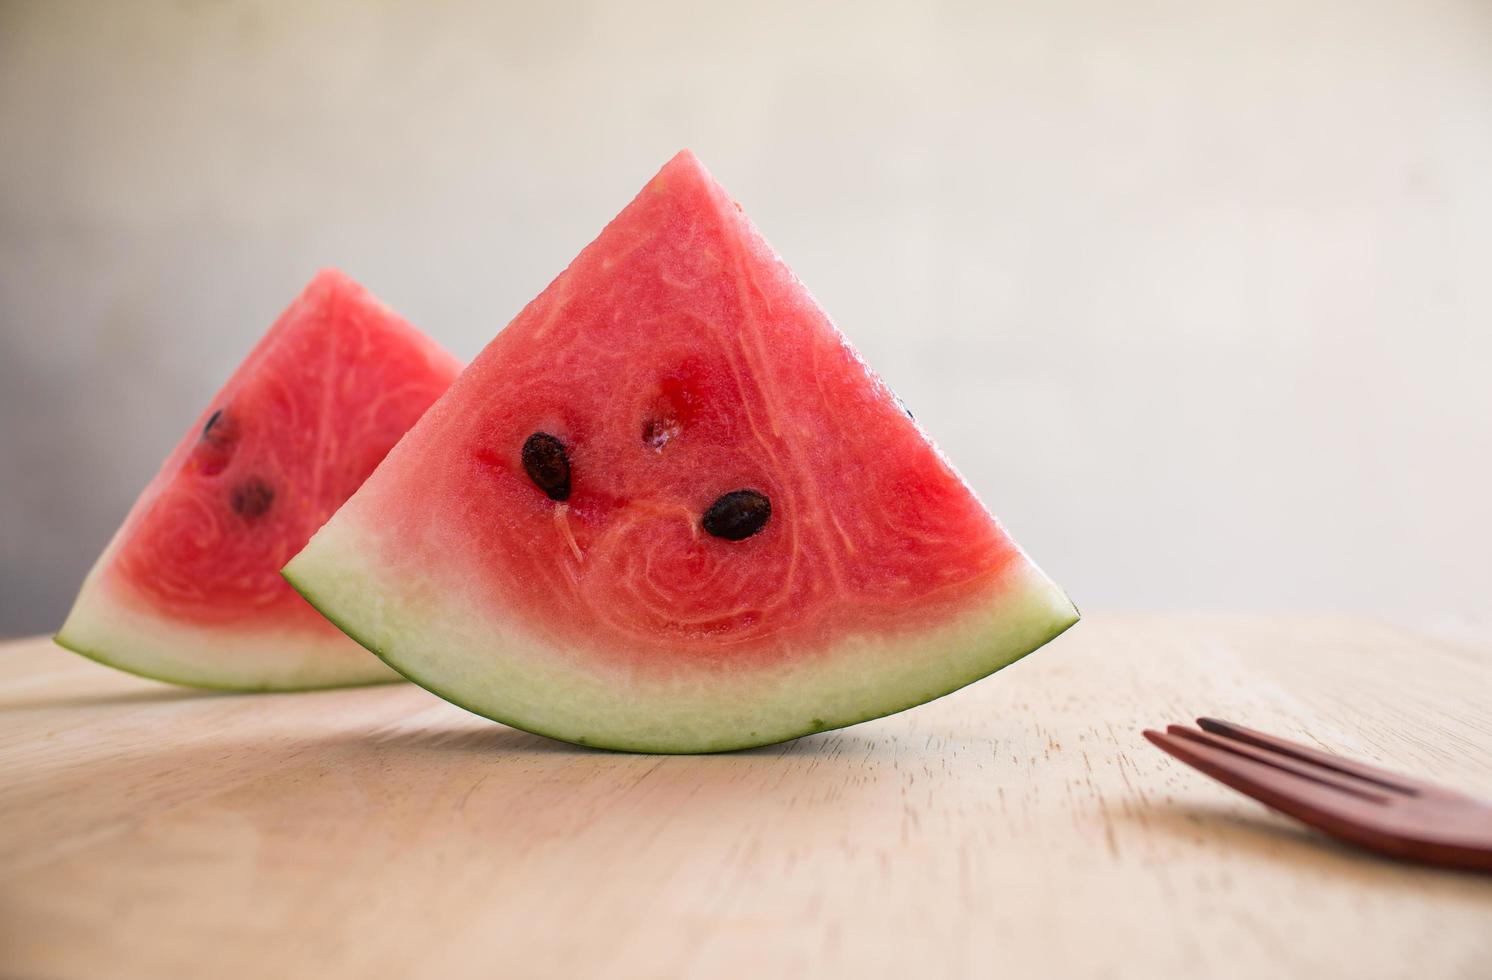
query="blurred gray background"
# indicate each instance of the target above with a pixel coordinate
(1198, 295)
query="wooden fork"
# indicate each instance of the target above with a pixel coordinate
(1364, 805)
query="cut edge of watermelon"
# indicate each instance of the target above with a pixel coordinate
(513, 677)
(111, 631)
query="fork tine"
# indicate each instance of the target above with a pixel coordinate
(1361, 770)
(1306, 770)
(1324, 807)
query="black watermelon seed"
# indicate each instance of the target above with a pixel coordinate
(545, 462)
(219, 429)
(737, 515)
(214, 449)
(252, 498)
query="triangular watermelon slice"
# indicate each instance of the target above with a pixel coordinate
(669, 509)
(189, 588)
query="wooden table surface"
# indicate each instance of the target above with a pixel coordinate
(1021, 827)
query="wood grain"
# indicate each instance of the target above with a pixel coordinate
(1020, 827)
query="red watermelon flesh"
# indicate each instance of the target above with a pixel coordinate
(677, 361)
(189, 589)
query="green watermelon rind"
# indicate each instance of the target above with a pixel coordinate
(180, 681)
(1063, 615)
(110, 629)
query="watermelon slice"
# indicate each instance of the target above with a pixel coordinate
(670, 509)
(189, 588)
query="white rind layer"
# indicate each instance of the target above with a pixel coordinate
(490, 665)
(106, 627)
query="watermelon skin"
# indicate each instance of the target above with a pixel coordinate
(677, 359)
(188, 590)
(494, 667)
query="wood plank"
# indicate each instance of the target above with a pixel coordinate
(1019, 827)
